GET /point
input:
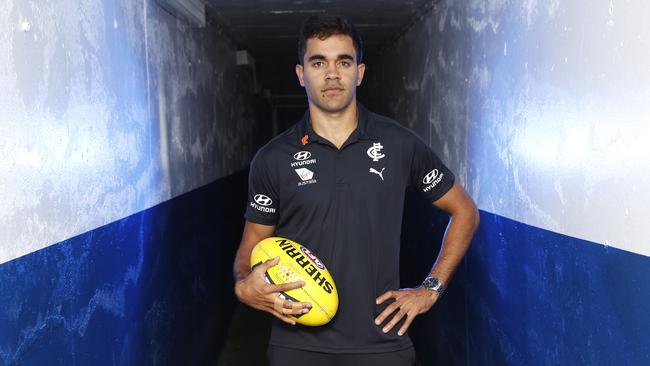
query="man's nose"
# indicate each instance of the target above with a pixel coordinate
(332, 72)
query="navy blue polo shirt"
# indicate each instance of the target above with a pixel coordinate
(346, 206)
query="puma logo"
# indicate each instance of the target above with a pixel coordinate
(372, 170)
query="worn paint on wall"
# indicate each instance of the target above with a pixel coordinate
(542, 109)
(559, 117)
(412, 78)
(120, 131)
(153, 288)
(108, 108)
(535, 297)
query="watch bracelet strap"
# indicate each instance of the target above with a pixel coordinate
(440, 290)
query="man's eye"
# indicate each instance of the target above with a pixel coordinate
(317, 64)
(345, 63)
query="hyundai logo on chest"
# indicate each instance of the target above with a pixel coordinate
(302, 155)
(302, 158)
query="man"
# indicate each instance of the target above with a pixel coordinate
(336, 182)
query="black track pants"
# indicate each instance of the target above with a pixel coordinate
(281, 356)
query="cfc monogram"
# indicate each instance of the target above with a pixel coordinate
(375, 151)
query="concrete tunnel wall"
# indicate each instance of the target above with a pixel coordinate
(125, 136)
(542, 109)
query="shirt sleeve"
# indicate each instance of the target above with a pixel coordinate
(263, 199)
(429, 176)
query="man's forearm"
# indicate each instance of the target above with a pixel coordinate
(241, 268)
(455, 244)
(252, 235)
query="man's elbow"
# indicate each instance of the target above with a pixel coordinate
(477, 219)
(474, 217)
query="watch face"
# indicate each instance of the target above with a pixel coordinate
(432, 283)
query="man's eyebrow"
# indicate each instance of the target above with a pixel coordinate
(343, 56)
(316, 57)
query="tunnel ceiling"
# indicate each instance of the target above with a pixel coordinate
(268, 30)
(266, 26)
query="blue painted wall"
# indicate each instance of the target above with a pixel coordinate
(528, 296)
(541, 110)
(124, 135)
(114, 115)
(535, 297)
(109, 108)
(154, 288)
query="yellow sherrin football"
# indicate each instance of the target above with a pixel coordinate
(299, 263)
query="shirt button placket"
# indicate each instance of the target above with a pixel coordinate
(339, 171)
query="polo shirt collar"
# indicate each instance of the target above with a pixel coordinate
(364, 131)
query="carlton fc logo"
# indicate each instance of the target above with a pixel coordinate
(375, 151)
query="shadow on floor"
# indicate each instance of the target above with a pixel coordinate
(247, 338)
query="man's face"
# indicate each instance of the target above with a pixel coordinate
(330, 73)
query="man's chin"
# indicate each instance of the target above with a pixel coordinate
(333, 106)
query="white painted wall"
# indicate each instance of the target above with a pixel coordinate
(560, 117)
(542, 108)
(108, 108)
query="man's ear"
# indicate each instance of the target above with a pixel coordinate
(361, 69)
(301, 75)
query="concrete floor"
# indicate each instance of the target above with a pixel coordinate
(247, 338)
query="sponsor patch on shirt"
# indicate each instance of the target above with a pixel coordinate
(262, 202)
(306, 175)
(432, 178)
(302, 158)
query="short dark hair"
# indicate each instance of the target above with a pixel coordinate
(324, 26)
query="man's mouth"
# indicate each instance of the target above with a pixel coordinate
(332, 89)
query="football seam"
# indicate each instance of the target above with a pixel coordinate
(317, 303)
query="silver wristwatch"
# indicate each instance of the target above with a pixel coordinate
(433, 284)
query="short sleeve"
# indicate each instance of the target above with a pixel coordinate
(428, 175)
(263, 199)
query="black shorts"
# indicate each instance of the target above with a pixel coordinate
(281, 356)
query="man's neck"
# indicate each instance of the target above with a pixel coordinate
(334, 127)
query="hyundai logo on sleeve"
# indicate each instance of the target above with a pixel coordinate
(263, 200)
(261, 203)
(430, 176)
(432, 179)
